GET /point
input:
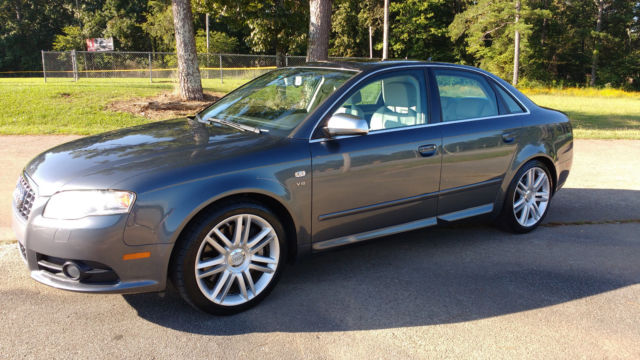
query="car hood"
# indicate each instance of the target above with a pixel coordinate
(165, 147)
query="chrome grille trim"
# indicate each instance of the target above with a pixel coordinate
(24, 208)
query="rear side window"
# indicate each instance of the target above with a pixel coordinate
(512, 106)
(465, 95)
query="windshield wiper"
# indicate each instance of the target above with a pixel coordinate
(234, 125)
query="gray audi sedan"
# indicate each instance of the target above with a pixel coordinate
(299, 160)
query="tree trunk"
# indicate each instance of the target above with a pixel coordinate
(281, 60)
(189, 84)
(516, 52)
(319, 29)
(594, 61)
(385, 32)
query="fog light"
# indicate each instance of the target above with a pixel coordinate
(71, 270)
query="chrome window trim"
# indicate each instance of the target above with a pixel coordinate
(419, 66)
(414, 127)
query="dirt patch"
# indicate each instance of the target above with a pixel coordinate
(163, 106)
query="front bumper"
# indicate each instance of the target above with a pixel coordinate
(96, 241)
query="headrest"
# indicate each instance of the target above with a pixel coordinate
(396, 92)
(472, 107)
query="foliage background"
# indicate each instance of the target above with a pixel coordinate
(559, 37)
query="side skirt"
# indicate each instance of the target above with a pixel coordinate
(395, 229)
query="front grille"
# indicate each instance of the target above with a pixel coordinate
(26, 203)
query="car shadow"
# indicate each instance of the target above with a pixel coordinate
(461, 272)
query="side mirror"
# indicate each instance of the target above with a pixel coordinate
(345, 124)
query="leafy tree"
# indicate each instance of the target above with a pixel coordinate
(71, 39)
(219, 42)
(420, 29)
(613, 41)
(274, 25)
(159, 26)
(350, 26)
(120, 19)
(29, 26)
(488, 27)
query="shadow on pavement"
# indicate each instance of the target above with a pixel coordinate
(441, 275)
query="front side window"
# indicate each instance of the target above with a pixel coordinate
(279, 100)
(464, 95)
(392, 101)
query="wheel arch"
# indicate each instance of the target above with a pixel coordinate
(278, 208)
(517, 165)
(548, 162)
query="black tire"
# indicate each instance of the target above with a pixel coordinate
(183, 271)
(507, 219)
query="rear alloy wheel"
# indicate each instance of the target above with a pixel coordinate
(528, 198)
(233, 261)
(531, 197)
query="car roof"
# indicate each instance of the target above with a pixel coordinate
(366, 66)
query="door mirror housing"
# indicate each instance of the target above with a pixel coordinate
(345, 124)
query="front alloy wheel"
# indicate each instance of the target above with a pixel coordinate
(230, 258)
(237, 259)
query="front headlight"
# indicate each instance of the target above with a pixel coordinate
(69, 205)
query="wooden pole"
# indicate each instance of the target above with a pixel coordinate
(74, 65)
(370, 43)
(385, 32)
(207, 30)
(44, 70)
(516, 53)
(220, 57)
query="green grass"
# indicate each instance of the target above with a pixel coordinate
(29, 106)
(595, 114)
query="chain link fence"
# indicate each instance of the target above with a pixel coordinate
(159, 66)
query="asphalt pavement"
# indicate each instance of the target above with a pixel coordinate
(570, 289)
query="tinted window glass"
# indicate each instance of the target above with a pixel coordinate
(465, 95)
(512, 105)
(389, 102)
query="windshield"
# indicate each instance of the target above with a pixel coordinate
(278, 100)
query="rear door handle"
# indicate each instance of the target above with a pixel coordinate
(508, 137)
(427, 150)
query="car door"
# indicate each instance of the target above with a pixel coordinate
(479, 141)
(385, 178)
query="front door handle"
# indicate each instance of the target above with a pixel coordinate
(427, 150)
(508, 137)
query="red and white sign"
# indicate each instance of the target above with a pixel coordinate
(100, 44)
